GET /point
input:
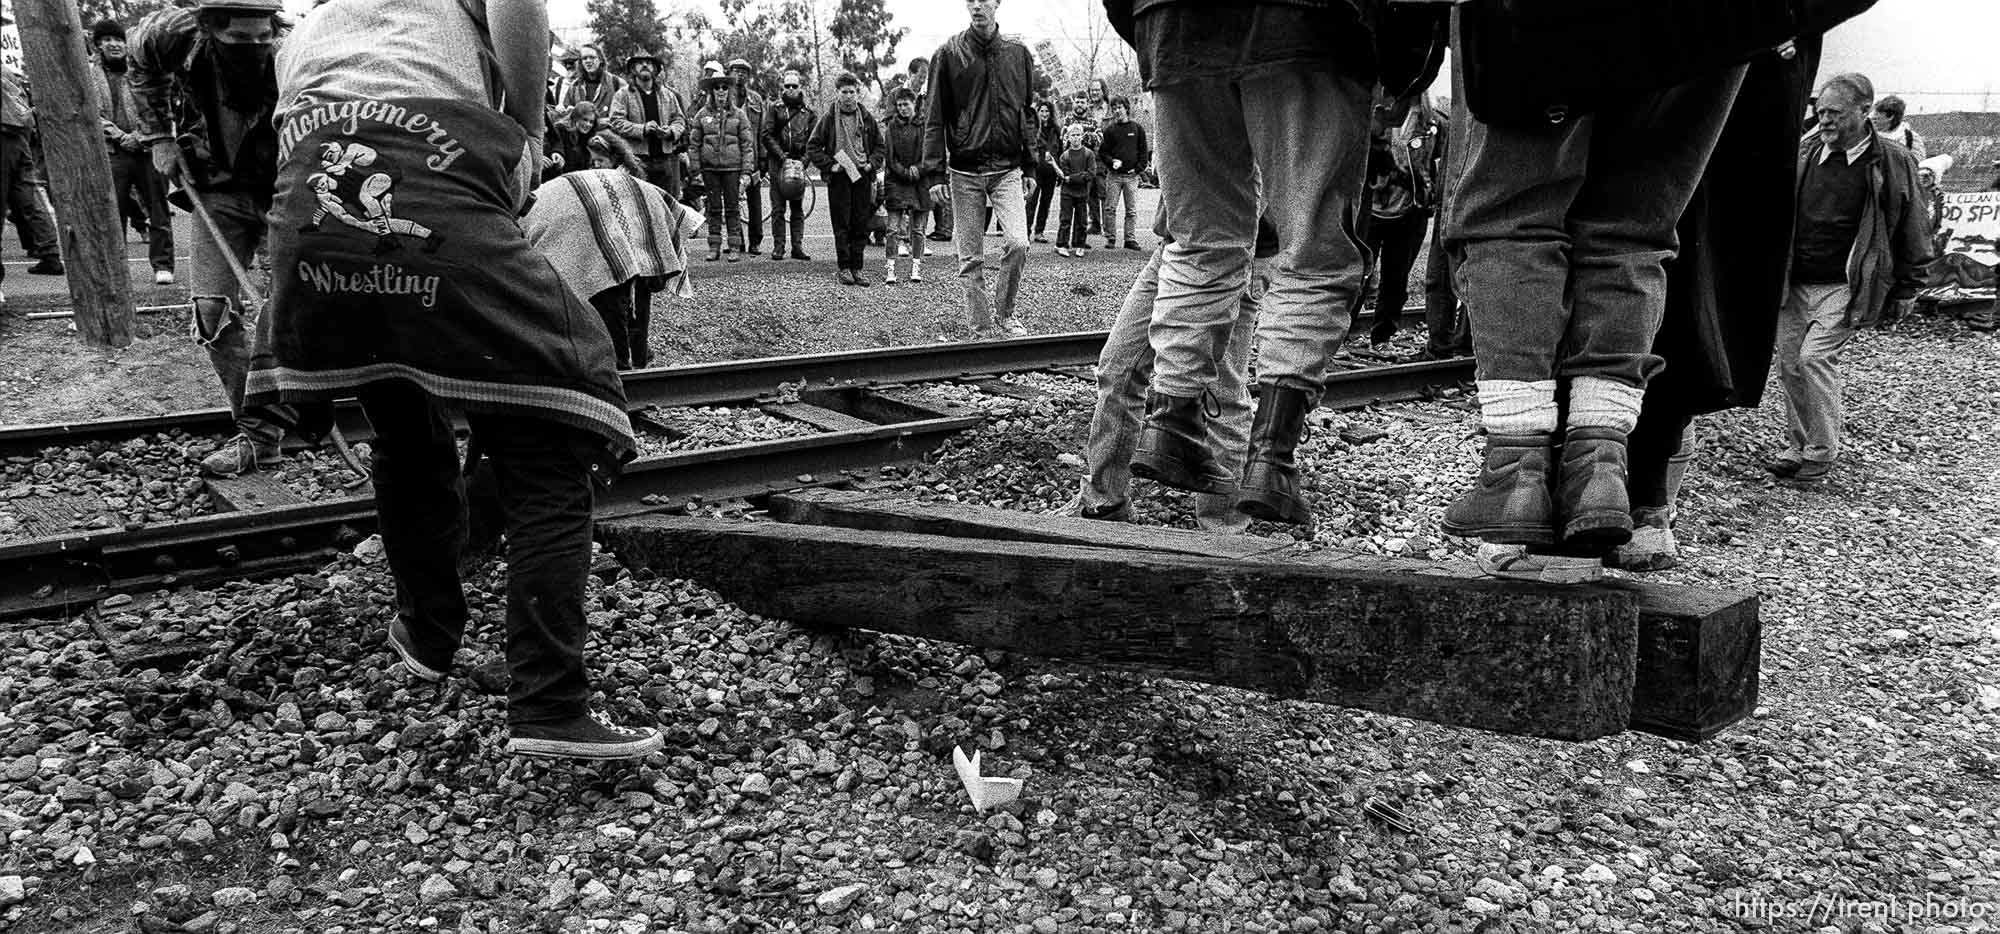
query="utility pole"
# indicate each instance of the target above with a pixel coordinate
(66, 111)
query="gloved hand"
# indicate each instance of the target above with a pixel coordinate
(166, 158)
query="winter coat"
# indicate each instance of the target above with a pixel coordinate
(753, 106)
(903, 183)
(1893, 243)
(981, 114)
(820, 150)
(627, 118)
(786, 133)
(724, 141)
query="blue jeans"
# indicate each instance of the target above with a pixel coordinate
(220, 320)
(1121, 186)
(1296, 140)
(1125, 367)
(970, 196)
(1559, 234)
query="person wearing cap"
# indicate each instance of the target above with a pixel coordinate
(787, 129)
(203, 90)
(743, 80)
(435, 303)
(652, 120)
(132, 177)
(594, 82)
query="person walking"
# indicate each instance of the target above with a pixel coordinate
(727, 144)
(976, 132)
(471, 319)
(203, 89)
(1859, 245)
(132, 177)
(1122, 153)
(904, 189)
(787, 131)
(847, 147)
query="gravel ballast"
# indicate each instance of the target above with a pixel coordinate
(289, 778)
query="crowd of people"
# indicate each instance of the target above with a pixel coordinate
(1622, 244)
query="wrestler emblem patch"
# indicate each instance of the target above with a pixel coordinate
(376, 195)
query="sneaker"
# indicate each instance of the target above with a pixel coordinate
(1062, 251)
(988, 334)
(778, 255)
(163, 277)
(1132, 245)
(399, 640)
(797, 254)
(584, 737)
(916, 270)
(47, 266)
(1106, 512)
(1784, 466)
(1516, 562)
(1652, 547)
(1810, 471)
(859, 278)
(1014, 327)
(733, 256)
(937, 236)
(238, 456)
(1040, 238)
(714, 255)
(889, 275)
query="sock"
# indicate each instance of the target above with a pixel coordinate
(1596, 402)
(1517, 407)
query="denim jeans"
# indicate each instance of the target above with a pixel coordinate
(724, 203)
(1296, 139)
(905, 227)
(133, 172)
(542, 471)
(970, 195)
(1121, 186)
(1559, 234)
(220, 320)
(1125, 367)
(1812, 330)
(1449, 326)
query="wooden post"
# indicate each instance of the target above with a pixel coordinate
(66, 111)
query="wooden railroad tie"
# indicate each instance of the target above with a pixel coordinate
(1412, 638)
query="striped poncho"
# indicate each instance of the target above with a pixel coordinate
(602, 228)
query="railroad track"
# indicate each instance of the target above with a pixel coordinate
(851, 398)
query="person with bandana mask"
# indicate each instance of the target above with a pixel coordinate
(132, 176)
(787, 128)
(594, 83)
(203, 88)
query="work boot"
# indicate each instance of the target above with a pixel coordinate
(1270, 488)
(1173, 447)
(1596, 510)
(1510, 503)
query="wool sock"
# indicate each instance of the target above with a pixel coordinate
(1517, 407)
(1596, 402)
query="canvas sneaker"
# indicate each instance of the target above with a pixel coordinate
(583, 737)
(399, 642)
(1652, 547)
(238, 456)
(1014, 327)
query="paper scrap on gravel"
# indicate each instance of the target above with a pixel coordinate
(985, 792)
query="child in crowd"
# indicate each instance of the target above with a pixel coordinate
(903, 191)
(1075, 164)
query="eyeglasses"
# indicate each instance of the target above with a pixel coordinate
(791, 87)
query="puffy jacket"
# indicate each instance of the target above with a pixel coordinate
(1893, 244)
(627, 118)
(981, 114)
(786, 133)
(724, 141)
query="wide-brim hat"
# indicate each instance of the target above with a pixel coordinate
(247, 6)
(643, 55)
(742, 63)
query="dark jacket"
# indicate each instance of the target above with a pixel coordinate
(1125, 142)
(822, 146)
(903, 184)
(171, 70)
(574, 148)
(981, 113)
(1076, 166)
(786, 133)
(1893, 243)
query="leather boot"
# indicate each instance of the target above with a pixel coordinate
(1591, 498)
(1510, 503)
(1270, 488)
(1173, 447)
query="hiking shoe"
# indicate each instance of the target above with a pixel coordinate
(1013, 327)
(239, 455)
(1510, 503)
(48, 266)
(399, 640)
(1784, 466)
(778, 255)
(583, 737)
(1652, 547)
(1593, 507)
(846, 277)
(859, 277)
(1518, 562)
(163, 277)
(1810, 471)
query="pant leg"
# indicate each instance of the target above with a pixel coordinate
(13, 149)
(1128, 188)
(968, 198)
(711, 203)
(220, 318)
(614, 305)
(1124, 367)
(1401, 239)
(778, 207)
(159, 218)
(861, 214)
(1309, 131)
(543, 472)
(798, 211)
(1094, 205)
(1441, 316)
(839, 197)
(1010, 207)
(1205, 159)
(37, 216)
(1645, 160)
(753, 214)
(420, 499)
(639, 324)
(732, 207)
(1229, 432)
(1047, 180)
(1812, 331)
(1659, 443)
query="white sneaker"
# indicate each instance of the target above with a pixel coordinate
(163, 277)
(1652, 547)
(1515, 562)
(916, 270)
(1013, 327)
(1062, 251)
(889, 274)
